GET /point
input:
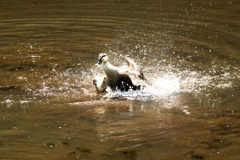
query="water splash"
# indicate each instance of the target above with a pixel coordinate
(165, 79)
(166, 84)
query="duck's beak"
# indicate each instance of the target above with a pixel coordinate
(99, 62)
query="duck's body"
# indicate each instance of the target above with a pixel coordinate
(116, 79)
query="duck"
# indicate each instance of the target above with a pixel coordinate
(100, 84)
(116, 78)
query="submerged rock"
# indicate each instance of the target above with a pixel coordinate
(84, 149)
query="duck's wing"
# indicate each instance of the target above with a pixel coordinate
(131, 64)
(132, 69)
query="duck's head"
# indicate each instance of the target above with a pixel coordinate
(102, 58)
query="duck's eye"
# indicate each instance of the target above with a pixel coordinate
(102, 57)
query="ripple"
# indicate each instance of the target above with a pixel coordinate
(184, 52)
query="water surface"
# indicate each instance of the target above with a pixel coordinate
(188, 50)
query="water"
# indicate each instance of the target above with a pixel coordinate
(189, 52)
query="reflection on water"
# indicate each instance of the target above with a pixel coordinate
(187, 50)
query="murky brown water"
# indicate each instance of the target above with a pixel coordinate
(188, 50)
